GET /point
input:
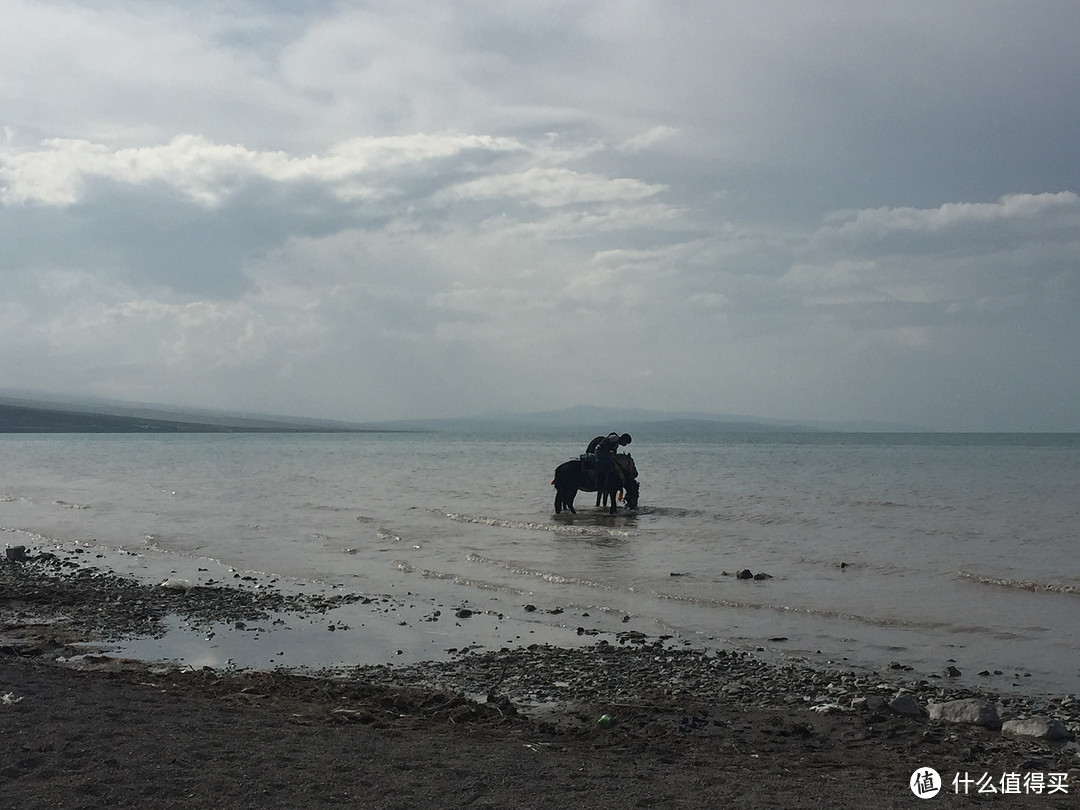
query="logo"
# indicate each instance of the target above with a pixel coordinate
(925, 783)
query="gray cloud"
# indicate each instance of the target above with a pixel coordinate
(826, 210)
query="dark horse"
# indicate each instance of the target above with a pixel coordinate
(572, 476)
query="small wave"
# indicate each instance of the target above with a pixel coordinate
(66, 505)
(874, 621)
(470, 582)
(1020, 584)
(671, 511)
(328, 507)
(547, 576)
(386, 534)
(32, 536)
(593, 531)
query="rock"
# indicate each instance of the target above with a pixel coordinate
(875, 703)
(173, 584)
(907, 705)
(969, 710)
(16, 553)
(746, 573)
(951, 672)
(463, 613)
(1045, 728)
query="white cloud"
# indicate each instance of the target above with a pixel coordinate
(439, 208)
(552, 188)
(882, 221)
(208, 172)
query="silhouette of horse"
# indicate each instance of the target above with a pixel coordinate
(573, 475)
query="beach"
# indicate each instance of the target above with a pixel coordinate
(627, 721)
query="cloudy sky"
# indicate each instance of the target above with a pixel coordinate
(370, 210)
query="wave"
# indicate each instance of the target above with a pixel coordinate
(386, 534)
(546, 576)
(471, 582)
(672, 511)
(824, 613)
(31, 536)
(66, 505)
(588, 531)
(1020, 584)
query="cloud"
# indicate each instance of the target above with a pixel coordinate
(953, 259)
(415, 210)
(208, 173)
(1011, 207)
(552, 188)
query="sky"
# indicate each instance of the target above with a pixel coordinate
(830, 210)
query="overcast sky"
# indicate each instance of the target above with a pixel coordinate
(363, 211)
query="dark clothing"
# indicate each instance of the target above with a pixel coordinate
(611, 440)
(604, 447)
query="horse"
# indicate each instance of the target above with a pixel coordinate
(572, 476)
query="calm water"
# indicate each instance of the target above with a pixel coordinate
(924, 549)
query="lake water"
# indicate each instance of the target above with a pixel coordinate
(928, 550)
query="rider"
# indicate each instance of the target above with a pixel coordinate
(612, 442)
(605, 448)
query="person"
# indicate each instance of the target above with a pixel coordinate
(605, 447)
(612, 442)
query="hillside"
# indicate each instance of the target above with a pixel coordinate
(24, 417)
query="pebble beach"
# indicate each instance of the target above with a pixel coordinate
(624, 719)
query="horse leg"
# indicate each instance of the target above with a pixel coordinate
(564, 498)
(611, 487)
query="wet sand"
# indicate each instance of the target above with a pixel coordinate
(630, 722)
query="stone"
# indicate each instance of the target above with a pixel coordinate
(968, 710)
(16, 553)
(1044, 728)
(907, 705)
(952, 672)
(875, 703)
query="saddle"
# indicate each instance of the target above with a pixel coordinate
(590, 465)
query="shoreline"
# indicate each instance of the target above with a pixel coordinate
(676, 716)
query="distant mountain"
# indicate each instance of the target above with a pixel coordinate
(45, 414)
(20, 415)
(601, 420)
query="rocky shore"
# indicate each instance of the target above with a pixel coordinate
(631, 722)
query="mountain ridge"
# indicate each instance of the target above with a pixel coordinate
(42, 414)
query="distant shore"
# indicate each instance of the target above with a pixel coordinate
(634, 722)
(28, 419)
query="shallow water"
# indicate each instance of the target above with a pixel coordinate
(924, 549)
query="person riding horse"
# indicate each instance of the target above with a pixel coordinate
(604, 448)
